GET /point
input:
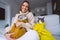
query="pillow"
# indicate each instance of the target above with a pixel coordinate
(52, 24)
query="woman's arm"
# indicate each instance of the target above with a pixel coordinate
(15, 20)
(30, 24)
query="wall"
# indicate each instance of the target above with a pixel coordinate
(39, 11)
(11, 9)
(4, 22)
(49, 8)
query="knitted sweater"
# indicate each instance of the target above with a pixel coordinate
(30, 17)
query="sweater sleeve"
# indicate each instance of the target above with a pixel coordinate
(15, 20)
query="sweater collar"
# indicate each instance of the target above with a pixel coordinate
(24, 13)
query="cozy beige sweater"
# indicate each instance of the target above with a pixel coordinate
(30, 16)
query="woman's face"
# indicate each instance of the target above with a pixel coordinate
(24, 7)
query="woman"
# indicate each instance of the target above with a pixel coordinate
(25, 10)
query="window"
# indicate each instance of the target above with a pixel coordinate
(2, 13)
(56, 6)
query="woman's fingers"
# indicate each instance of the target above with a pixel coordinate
(19, 23)
(8, 36)
(11, 33)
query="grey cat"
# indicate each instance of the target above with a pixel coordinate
(40, 20)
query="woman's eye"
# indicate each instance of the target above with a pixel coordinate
(27, 6)
(23, 5)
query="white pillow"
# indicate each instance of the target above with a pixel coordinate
(52, 24)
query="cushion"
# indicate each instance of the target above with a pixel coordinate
(52, 24)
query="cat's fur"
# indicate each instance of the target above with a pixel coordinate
(40, 20)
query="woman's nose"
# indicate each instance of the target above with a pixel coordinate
(24, 7)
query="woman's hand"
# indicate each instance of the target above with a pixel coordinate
(8, 36)
(19, 23)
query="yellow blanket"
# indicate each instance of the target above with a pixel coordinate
(43, 33)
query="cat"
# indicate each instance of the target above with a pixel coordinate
(40, 20)
(18, 30)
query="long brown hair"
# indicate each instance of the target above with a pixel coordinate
(28, 5)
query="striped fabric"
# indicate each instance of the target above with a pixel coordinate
(30, 17)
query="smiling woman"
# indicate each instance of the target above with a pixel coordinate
(22, 24)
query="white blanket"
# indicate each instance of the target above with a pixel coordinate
(30, 35)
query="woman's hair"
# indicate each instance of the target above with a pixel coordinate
(28, 5)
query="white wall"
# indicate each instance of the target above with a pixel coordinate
(49, 8)
(39, 10)
(4, 22)
(11, 9)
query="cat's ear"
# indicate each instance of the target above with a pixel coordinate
(43, 19)
(38, 18)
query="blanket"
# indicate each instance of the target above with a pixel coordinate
(42, 32)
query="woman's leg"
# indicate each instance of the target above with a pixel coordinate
(30, 35)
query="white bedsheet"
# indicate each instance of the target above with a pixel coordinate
(30, 35)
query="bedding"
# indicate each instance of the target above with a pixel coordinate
(30, 35)
(43, 33)
(2, 37)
